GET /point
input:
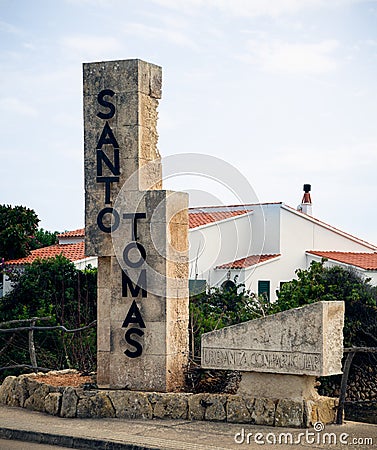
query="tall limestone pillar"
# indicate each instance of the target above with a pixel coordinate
(138, 231)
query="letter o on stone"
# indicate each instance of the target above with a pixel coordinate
(100, 217)
(126, 251)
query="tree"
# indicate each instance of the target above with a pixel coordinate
(17, 225)
(335, 283)
(43, 238)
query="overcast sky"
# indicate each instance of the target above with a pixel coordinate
(283, 90)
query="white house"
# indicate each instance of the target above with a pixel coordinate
(70, 245)
(262, 244)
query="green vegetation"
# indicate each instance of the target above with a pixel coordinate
(52, 288)
(335, 283)
(219, 308)
(43, 238)
(19, 232)
(17, 225)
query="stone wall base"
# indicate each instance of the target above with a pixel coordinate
(26, 392)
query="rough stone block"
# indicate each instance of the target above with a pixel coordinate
(85, 405)
(216, 407)
(53, 403)
(102, 406)
(21, 389)
(69, 403)
(131, 405)
(6, 389)
(171, 406)
(301, 341)
(263, 412)
(323, 410)
(36, 401)
(289, 413)
(239, 409)
(197, 406)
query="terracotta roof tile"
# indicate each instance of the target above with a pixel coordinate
(197, 219)
(73, 252)
(367, 261)
(251, 260)
(75, 233)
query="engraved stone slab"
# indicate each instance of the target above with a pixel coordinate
(301, 341)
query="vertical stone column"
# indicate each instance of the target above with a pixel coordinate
(138, 231)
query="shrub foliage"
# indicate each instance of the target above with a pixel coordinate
(52, 288)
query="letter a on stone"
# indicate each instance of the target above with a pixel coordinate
(133, 316)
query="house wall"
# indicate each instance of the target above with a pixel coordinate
(299, 233)
(267, 271)
(291, 234)
(7, 285)
(266, 229)
(232, 239)
(218, 243)
(83, 263)
(218, 276)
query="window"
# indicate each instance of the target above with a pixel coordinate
(264, 289)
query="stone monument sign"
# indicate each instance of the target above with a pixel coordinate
(138, 231)
(306, 341)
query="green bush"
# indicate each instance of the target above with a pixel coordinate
(335, 283)
(219, 308)
(53, 288)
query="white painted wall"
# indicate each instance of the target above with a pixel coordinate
(218, 243)
(268, 270)
(300, 230)
(266, 229)
(7, 285)
(220, 275)
(276, 229)
(81, 264)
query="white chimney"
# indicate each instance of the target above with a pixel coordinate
(306, 202)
